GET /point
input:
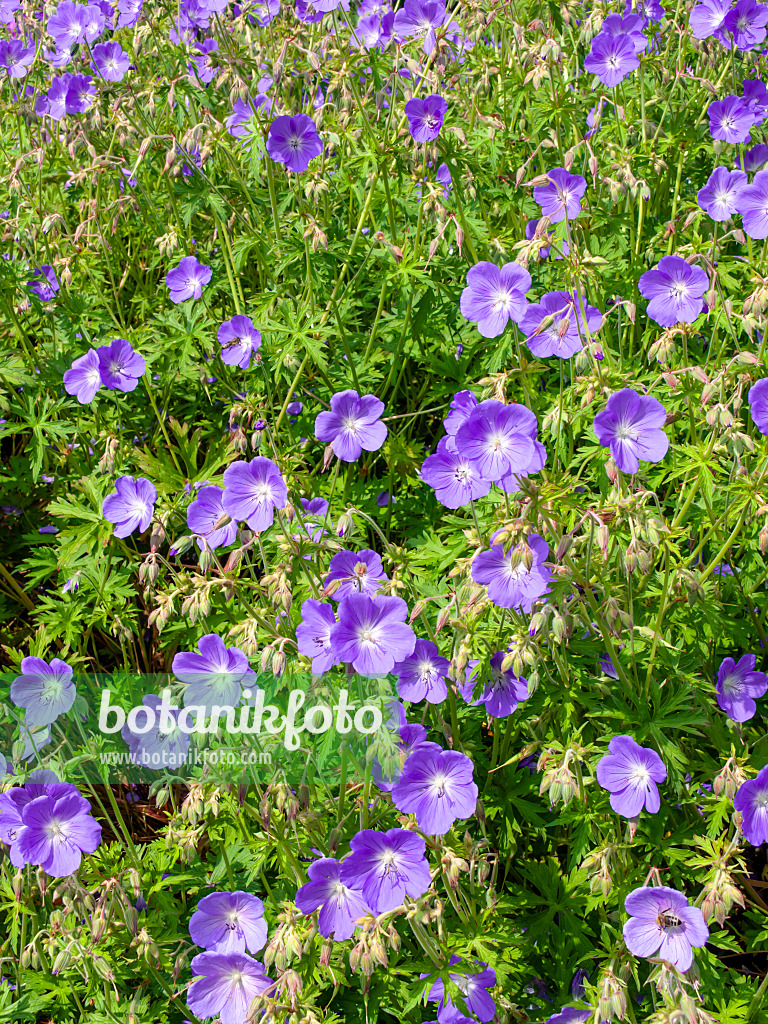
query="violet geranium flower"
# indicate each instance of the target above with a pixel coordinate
(422, 674)
(611, 58)
(501, 694)
(674, 290)
(214, 676)
(746, 22)
(720, 196)
(662, 923)
(48, 285)
(630, 773)
(111, 61)
(386, 867)
(420, 18)
(706, 19)
(738, 684)
(252, 492)
(372, 633)
(186, 281)
(561, 198)
(758, 404)
(229, 922)
(57, 832)
(753, 206)
(239, 339)
(730, 120)
(473, 986)
(130, 506)
(352, 425)
(630, 426)
(225, 985)
(204, 513)
(44, 690)
(751, 801)
(340, 905)
(83, 378)
(496, 438)
(568, 332)
(513, 587)
(294, 141)
(436, 786)
(313, 634)
(356, 573)
(454, 477)
(120, 366)
(425, 117)
(494, 295)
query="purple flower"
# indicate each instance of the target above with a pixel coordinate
(630, 26)
(226, 984)
(313, 634)
(569, 1014)
(746, 22)
(67, 24)
(15, 57)
(294, 141)
(455, 478)
(422, 674)
(753, 158)
(513, 587)
(630, 426)
(420, 18)
(758, 403)
(186, 281)
(473, 987)
(386, 867)
(630, 773)
(496, 439)
(242, 113)
(44, 690)
(81, 93)
(730, 120)
(372, 634)
(214, 676)
(753, 206)
(706, 19)
(436, 786)
(47, 287)
(425, 117)
(611, 58)
(751, 801)
(501, 694)
(568, 332)
(229, 922)
(83, 378)
(111, 61)
(204, 513)
(561, 198)
(120, 366)
(720, 196)
(252, 492)
(353, 425)
(56, 832)
(443, 175)
(161, 745)
(674, 289)
(737, 686)
(494, 296)
(340, 905)
(203, 65)
(756, 98)
(357, 573)
(130, 506)
(7, 11)
(662, 923)
(239, 339)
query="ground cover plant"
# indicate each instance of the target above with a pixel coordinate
(401, 371)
